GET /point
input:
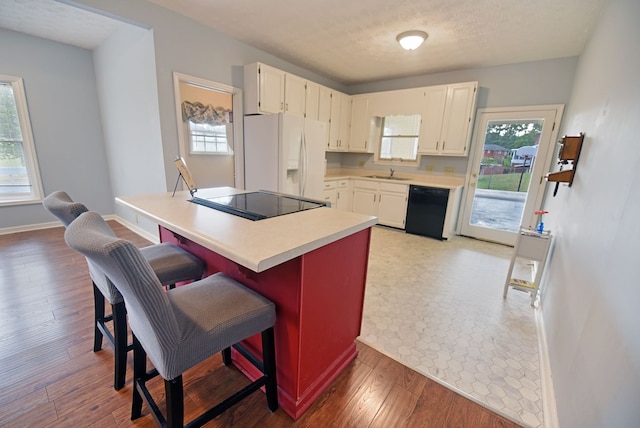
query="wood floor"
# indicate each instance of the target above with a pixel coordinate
(49, 375)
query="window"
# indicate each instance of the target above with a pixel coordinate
(19, 175)
(206, 138)
(209, 127)
(399, 140)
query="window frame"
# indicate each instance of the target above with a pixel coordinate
(192, 133)
(395, 161)
(28, 148)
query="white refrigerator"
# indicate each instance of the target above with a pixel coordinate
(284, 153)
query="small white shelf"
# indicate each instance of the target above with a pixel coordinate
(528, 261)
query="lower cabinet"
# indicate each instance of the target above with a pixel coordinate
(387, 201)
(337, 193)
(329, 192)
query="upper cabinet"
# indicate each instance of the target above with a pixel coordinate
(312, 100)
(361, 118)
(448, 116)
(269, 90)
(295, 95)
(339, 122)
(263, 89)
(353, 121)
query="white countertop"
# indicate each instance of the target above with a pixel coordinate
(257, 245)
(438, 181)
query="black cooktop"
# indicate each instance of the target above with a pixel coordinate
(258, 205)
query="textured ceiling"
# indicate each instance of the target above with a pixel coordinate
(56, 21)
(353, 41)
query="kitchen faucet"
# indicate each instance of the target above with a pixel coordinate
(391, 171)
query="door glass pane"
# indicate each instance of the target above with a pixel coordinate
(509, 153)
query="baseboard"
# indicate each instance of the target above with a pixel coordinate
(49, 225)
(29, 227)
(136, 229)
(549, 409)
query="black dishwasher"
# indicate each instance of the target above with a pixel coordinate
(426, 211)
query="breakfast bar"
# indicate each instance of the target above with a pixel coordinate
(312, 264)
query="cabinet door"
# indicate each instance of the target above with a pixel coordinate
(342, 200)
(431, 127)
(345, 121)
(294, 95)
(360, 124)
(392, 205)
(365, 201)
(330, 196)
(458, 113)
(271, 89)
(324, 109)
(312, 100)
(392, 209)
(334, 122)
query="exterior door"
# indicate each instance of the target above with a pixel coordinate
(512, 150)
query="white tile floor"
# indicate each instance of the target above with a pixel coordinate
(437, 307)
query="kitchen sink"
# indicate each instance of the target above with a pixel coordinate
(387, 177)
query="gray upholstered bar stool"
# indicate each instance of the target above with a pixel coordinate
(169, 262)
(179, 328)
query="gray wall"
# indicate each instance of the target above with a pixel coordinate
(63, 106)
(187, 47)
(128, 92)
(590, 306)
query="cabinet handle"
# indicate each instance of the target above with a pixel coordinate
(437, 144)
(443, 143)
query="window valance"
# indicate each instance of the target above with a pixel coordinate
(197, 112)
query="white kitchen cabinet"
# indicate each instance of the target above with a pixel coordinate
(339, 122)
(268, 90)
(448, 115)
(263, 89)
(343, 201)
(365, 199)
(329, 192)
(324, 107)
(387, 201)
(312, 100)
(392, 204)
(359, 140)
(337, 192)
(295, 95)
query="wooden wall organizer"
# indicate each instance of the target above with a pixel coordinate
(568, 156)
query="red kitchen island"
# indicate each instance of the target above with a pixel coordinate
(311, 264)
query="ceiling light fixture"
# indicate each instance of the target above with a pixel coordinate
(410, 40)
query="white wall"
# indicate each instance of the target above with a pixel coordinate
(592, 293)
(128, 93)
(63, 105)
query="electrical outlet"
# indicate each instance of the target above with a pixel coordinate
(449, 170)
(429, 169)
(361, 164)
